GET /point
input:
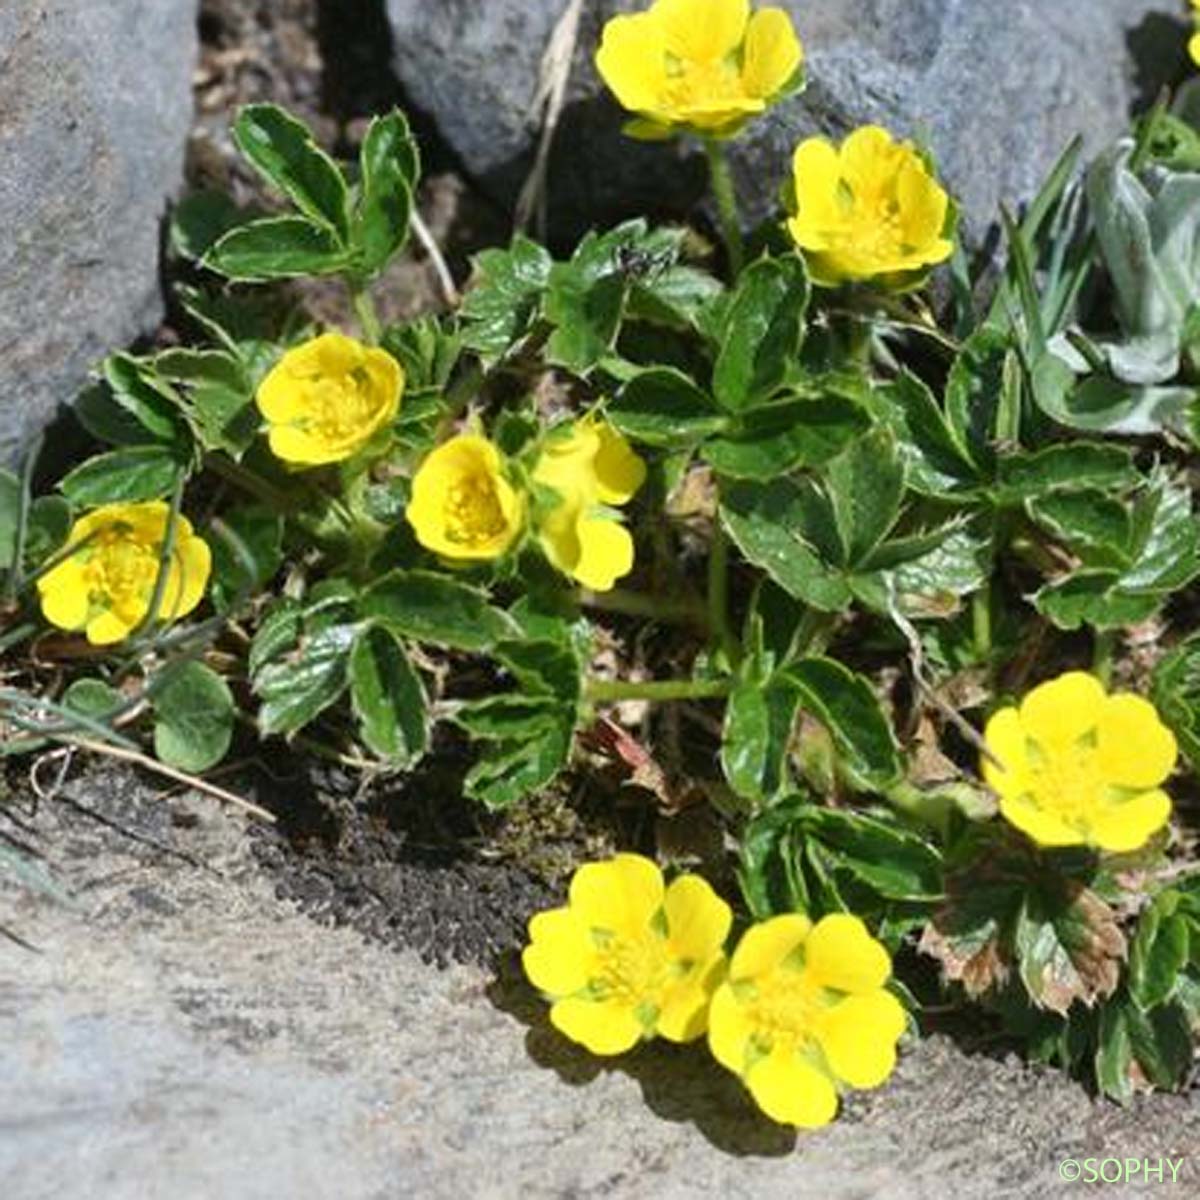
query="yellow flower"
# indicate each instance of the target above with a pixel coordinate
(1194, 41)
(462, 505)
(1076, 766)
(700, 66)
(106, 586)
(628, 958)
(325, 399)
(869, 209)
(803, 1011)
(588, 465)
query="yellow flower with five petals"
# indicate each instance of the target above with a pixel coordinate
(106, 586)
(588, 467)
(628, 958)
(1075, 766)
(326, 398)
(869, 209)
(463, 506)
(803, 1012)
(699, 66)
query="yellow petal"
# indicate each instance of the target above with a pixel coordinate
(1042, 826)
(1005, 738)
(923, 206)
(632, 61)
(602, 1026)
(868, 158)
(560, 956)
(107, 627)
(702, 30)
(729, 1030)
(698, 920)
(792, 1091)
(772, 54)
(386, 380)
(293, 445)
(840, 953)
(858, 1036)
(816, 172)
(1135, 749)
(684, 1015)
(765, 945)
(1130, 824)
(619, 471)
(1059, 712)
(605, 553)
(1194, 47)
(64, 594)
(194, 559)
(621, 894)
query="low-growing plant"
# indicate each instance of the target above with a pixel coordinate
(923, 590)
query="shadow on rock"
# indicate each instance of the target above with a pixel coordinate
(682, 1084)
(1158, 49)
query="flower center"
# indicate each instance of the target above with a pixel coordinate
(121, 570)
(1067, 782)
(473, 513)
(632, 970)
(340, 408)
(785, 1008)
(693, 85)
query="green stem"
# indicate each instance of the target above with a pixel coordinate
(721, 179)
(981, 622)
(638, 604)
(1102, 655)
(718, 590)
(600, 691)
(368, 317)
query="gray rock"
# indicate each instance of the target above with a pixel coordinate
(183, 1033)
(95, 106)
(996, 89)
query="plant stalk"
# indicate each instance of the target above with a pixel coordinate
(721, 180)
(602, 691)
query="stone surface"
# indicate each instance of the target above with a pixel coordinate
(184, 1035)
(95, 105)
(997, 89)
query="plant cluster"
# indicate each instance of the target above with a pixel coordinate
(917, 594)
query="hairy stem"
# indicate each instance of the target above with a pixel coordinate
(725, 196)
(609, 690)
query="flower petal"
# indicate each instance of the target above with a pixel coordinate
(106, 628)
(605, 552)
(619, 470)
(632, 61)
(1129, 824)
(923, 205)
(858, 1036)
(621, 894)
(64, 594)
(840, 953)
(1041, 826)
(602, 1026)
(1005, 738)
(816, 172)
(560, 956)
(684, 1015)
(729, 1029)
(702, 30)
(698, 920)
(1059, 712)
(772, 53)
(1135, 749)
(765, 945)
(792, 1091)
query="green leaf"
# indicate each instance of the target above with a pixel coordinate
(782, 437)
(1064, 467)
(388, 697)
(278, 631)
(277, 248)
(154, 405)
(1175, 689)
(761, 333)
(673, 297)
(1090, 522)
(973, 393)
(247, 550)
(93, 698)
(283, 151)
(544, 667)
(663, 407)
(769, 874)
(1094, 598)
(129, 475)
(774, 526)
(432, 608)
(193, 717)
(936, 462)
(759, 719)
(1159, 952)
(303, 683)
(389, 166)
(866, 486)
(199, 219)
(510, 771)
(509, 717)
(891, 860)
(47, 530)
(500, 308)
(846, 704)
